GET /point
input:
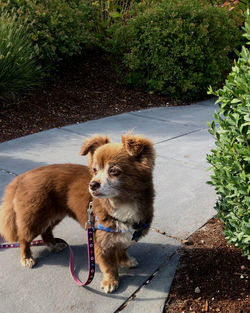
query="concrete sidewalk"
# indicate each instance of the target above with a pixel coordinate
(184, 202)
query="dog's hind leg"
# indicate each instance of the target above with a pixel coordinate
(125, 260)
(50, 241)
(25, 238)
(25, 253)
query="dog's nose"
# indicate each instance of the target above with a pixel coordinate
(94, 185)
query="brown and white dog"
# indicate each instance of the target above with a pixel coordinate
(119, 179)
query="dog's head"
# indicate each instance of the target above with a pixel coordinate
(119, 169)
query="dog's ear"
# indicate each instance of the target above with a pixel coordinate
(91, 144)
(139, 147)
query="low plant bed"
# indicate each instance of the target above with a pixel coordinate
(212, 276)
(86, 90)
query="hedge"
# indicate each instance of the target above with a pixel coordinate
(230, 159)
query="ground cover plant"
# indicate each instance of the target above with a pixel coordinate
(230, 159)
(18, 66)
(59, 29)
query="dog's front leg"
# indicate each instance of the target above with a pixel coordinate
(107, 261)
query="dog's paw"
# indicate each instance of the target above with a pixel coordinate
(28, 263)
(129, 263)
(110, 285)
(59, 246)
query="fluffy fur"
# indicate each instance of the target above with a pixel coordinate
(118, 179)
(37, 200)
(122, 188)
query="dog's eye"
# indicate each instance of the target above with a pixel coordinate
(94, 170)
(113, 171)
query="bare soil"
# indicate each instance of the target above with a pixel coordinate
(212, 276)
(86, 90)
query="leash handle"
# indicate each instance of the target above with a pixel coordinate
(91, 258)
(91, 255)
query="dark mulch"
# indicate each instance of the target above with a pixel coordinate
(212, 276)
(88, 90)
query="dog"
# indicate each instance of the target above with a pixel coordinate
(119, 182)
(36, 201)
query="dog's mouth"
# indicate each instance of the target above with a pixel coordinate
(97, 194)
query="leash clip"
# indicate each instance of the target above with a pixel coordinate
(90, 211)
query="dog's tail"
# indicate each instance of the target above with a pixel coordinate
(8, 227)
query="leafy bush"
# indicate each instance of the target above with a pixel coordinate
(111, 10)
(59, 28)
(177, 48)
(113, 13)
(18, 68)
(231, 4)
(231, 159)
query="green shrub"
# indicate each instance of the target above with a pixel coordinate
(59, 28)
(18, 68)
(231, 4)
(109, 13)
(230, 159)
(177, 48)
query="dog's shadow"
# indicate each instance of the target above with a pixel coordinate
(143, 252)
(148, 255)
(61, 258)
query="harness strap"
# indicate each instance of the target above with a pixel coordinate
(139, 228)
(99, 226)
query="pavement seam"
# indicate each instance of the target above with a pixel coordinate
(163, 120)
(71, 131)
(145, 283)
(182, 135)
(155, 273)
(8, 172)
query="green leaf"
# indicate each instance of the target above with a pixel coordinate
(235, 100)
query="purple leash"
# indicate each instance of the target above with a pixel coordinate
(91, 251)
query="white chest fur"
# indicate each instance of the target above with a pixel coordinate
(126, 214)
